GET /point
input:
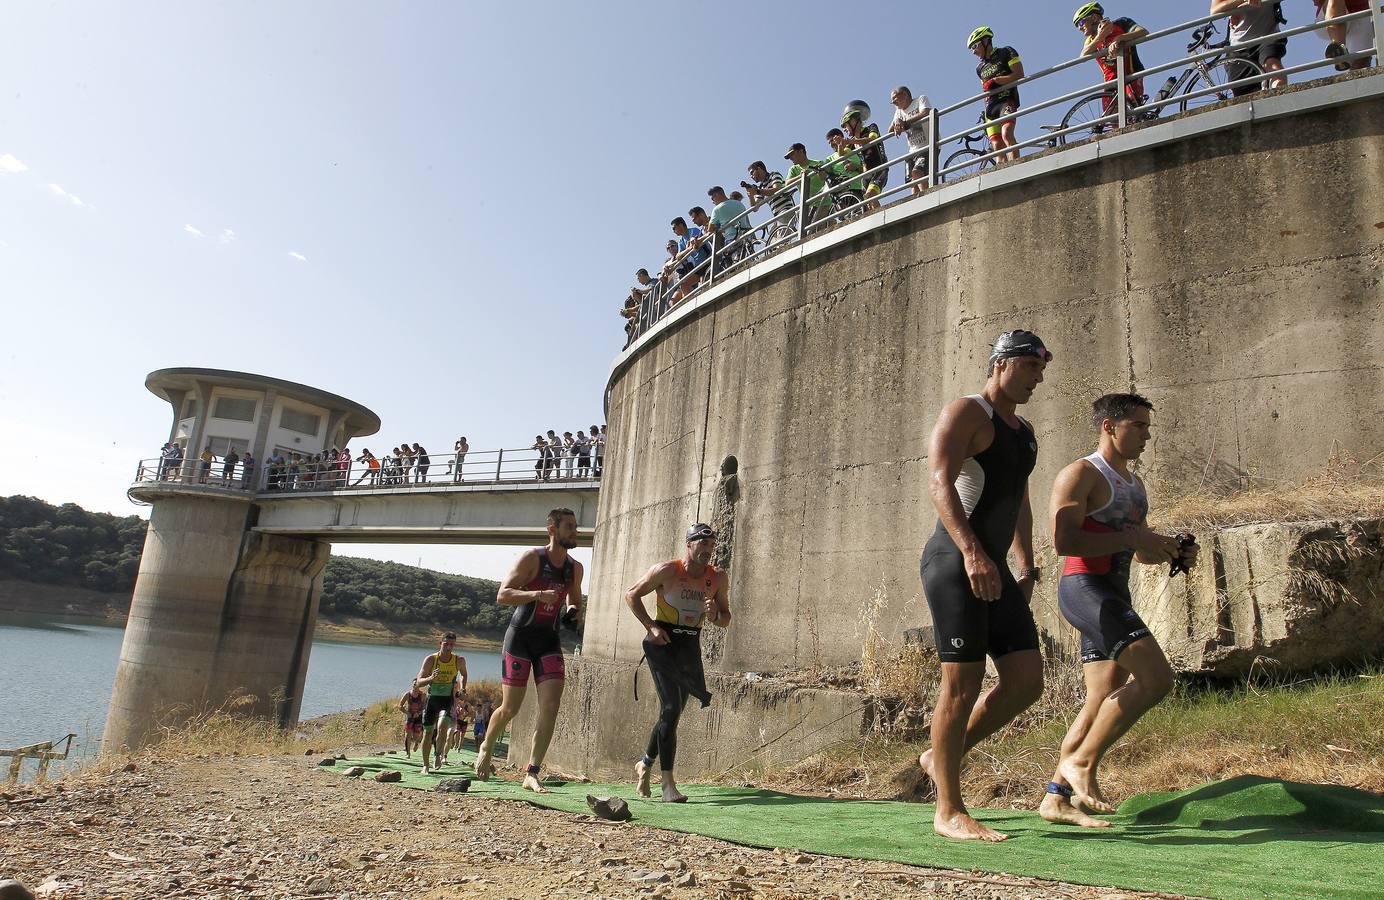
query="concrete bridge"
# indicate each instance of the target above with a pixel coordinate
(226, 599)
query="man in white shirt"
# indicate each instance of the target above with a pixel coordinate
(913, 118)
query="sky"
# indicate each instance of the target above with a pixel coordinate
(433, 209)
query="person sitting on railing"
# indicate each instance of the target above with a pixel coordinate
(247, 470)
(1255, 19)
(1107, 40)
(808, 171)
(769, 187)
(1352, 37)
(999, 66)
(228, 464)
(912, 118)
(859, 134)
(840, 166)
(691, 254)
(727, 224)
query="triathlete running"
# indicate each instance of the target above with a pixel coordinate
(412, 704)
(689, 591)
(1107, 40)
(1099, 508)
(979, 458)
(998, 67)
(544, 587)
(441, 674)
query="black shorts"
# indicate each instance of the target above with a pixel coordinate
(437, 705)
(536, 650)
(678, 662)
(1257, 54)
(1102, 612)
(965, 627)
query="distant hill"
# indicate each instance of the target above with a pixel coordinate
(70, 546)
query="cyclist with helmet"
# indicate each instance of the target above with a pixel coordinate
(853, 119)
(844, 166)
(1106, 40)
(999, 67)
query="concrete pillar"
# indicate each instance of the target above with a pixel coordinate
(217, 612)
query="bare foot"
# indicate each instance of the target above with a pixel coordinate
(426, 770)
(531, 784)
(484, 768)
(1057, 808)
(642, 772)
(1085, 791)
(963, 828)
(671, 794)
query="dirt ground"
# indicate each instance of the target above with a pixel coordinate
(243, 827)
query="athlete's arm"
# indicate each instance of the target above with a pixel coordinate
(1022, 547)
(461, 672)
(1016, 73)
(634, 599)
(575, 600)
(511, 590)
(425, 674)
(949, 447)
(718, 605)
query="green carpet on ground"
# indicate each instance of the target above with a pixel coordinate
(1244, 837)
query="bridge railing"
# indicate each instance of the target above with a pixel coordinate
(513, 465)
(1206, 71)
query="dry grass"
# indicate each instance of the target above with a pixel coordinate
(1345, 489)
(1322, 730)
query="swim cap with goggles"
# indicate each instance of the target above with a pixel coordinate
(699, 531)
(1018, 343)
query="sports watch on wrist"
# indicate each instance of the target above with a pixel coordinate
(1034, 571)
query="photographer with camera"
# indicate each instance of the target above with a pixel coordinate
(1099, 507)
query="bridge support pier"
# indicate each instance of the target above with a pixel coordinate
(220, 615)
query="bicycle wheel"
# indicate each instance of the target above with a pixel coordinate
(959, 158)
(1086, 112)
(1222, 71)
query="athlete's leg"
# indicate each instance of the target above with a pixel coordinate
(1152, 679)
(669, 666)
(955, 700)
(1007, 134)
(511, 699)
(549, 701)
(1019, 685)
(1103, 677)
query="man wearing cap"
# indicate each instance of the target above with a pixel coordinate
(815, 183)
(689, 591)
(980, 455)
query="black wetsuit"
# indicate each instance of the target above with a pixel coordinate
(676, 667)
(992, 485)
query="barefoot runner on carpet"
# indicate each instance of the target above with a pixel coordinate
(1099, 508)
(980, 455)
(412, 704)
(544, 588)
(441, 673)
(689, 591)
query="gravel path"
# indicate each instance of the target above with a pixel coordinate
(243, 827)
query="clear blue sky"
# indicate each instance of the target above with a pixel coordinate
(431, 208)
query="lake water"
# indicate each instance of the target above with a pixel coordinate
(56, 677)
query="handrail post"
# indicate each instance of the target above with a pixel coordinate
(932, 122)
(802, 205)
(499, 463)
(1121, 99)
(711, 265)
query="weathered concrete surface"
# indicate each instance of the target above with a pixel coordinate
(1234, 279)
(217, 612)
(1274, 598)
(748, 727)
(438, 514)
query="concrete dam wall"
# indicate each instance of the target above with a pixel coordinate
(1233, 277)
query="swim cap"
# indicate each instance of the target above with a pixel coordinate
(1018, 343)
(699, 531)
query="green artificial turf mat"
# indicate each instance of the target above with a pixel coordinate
(1244, 837)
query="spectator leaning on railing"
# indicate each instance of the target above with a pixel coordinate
(808, 171)
(768, 186)
(726, 224)
(841, 165)
(1107, 40)
(912, 118)
(1253, 19)
(691, 254)
(860, 133)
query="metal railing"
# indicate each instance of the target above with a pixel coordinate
(1204, 74)
(474, 467)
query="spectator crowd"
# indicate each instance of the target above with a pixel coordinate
(855, 171)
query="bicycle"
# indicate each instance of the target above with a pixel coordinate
(1212, 72)
(975, 145)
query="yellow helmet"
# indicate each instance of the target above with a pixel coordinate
(981, 32)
